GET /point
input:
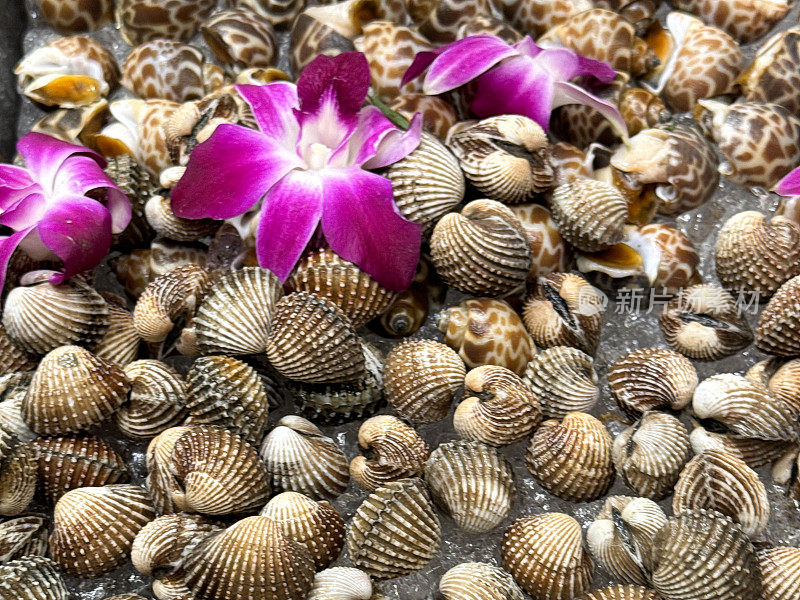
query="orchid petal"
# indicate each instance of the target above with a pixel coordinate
(14, 177)
(273, 107)
(789, 185)
(289, 216)
(528, 47)
(45, 154)
(397, 144)
(78, 231)
(464, 60)
(569, 93)
(7, 247)
(229, 173)
(26, 212)
(518, 86)
(377, 140)
(601, 71)
(81, 174)
(421, 61)
(386, 245)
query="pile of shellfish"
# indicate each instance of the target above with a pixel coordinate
(181, 425)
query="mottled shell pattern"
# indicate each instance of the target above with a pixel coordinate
(544, 554)
(438, 116)
(549, 251)
(704, 322)
(745, 20)
(771, 77)
(778, 329)
(572, 458)
(539, 16)
(679, 259)
(241, 38)
(650, 454)
(563, 379)
(504, 157)
(440, 21)
(478, 581)
(498, 408)
(144, 20)
(74, 16)
(472, 482)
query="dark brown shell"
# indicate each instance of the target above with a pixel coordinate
(32, 578)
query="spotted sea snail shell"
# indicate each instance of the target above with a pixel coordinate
(498, 408)
(504, 157)
(68, 72)
(780, 571)
(621, 537)
(373, 543)
(68, 463)
(72, 390)
(472, 482)
(427, 183)
(590, 214)
(540, 16)
(241, 38)
(650, 454)
(94, 527)
(299, 458)
(572, 458)
(420, 379)
(144, 20)
(760, 143)
(74, 125)
(32, 578)
(679, 259)
(17, 474)
(74, 16)
(564, 381)
(205, 470)
(545, 556)
(280, 13)
(483, 250)
(395, 451)
(440, 21)
(564, 310)
(23, 536)
(341, 583)
(549, 252)
(478, 581)
(771, 77)
(729, 573)
(225, 565)
(317, 525)
(719, 480)
(745, 20)
(778, 329)
(438, 116)
(703, 322)
(41, 317)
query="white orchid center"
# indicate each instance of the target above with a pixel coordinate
(317, 156)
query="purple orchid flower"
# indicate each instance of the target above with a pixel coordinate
(522, 79)
(790, 184)
(307, 164)
(52, 208)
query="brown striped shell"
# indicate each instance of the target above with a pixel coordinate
(704, 322)
(73, 16)
(754, 452)
(745, 408)
(165, 542)
(650, 454)
(782, 379)
(329, 276)
(729, 573)
(168, 299)
(317, 525)
(241, 38)
(165, 223)
(760, 143)
(472, 482)
(420, 379)
(394, 451)
(225, 565)
(621, 537)
(651, 379)
(622, 592)
(483, 250)
(427, 183)
(236, 312)
(17, 474)
(13, 388)
(478, 581)
(68, 463)
(313, 341)
(170, 70)
(226, 392)
(373, 540)
(564, 381)
(778, 329)
(498, 408)
(341, 583)
(504, 157)
(721, 481)
(745, 20)
(565, 310)
(140, 21)
(780, 571)
(32, 578)
(72, 390)
(12, 358)
(156, 402)
(23, 536)
(121, 342)
(41, 317)
(590, 214)
(544, 554)
(486, 331)
(205, 470)
(94, 527)
(771, 77)
(549, 252)
(300, 458)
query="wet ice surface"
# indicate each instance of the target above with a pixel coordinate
(622, 332)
